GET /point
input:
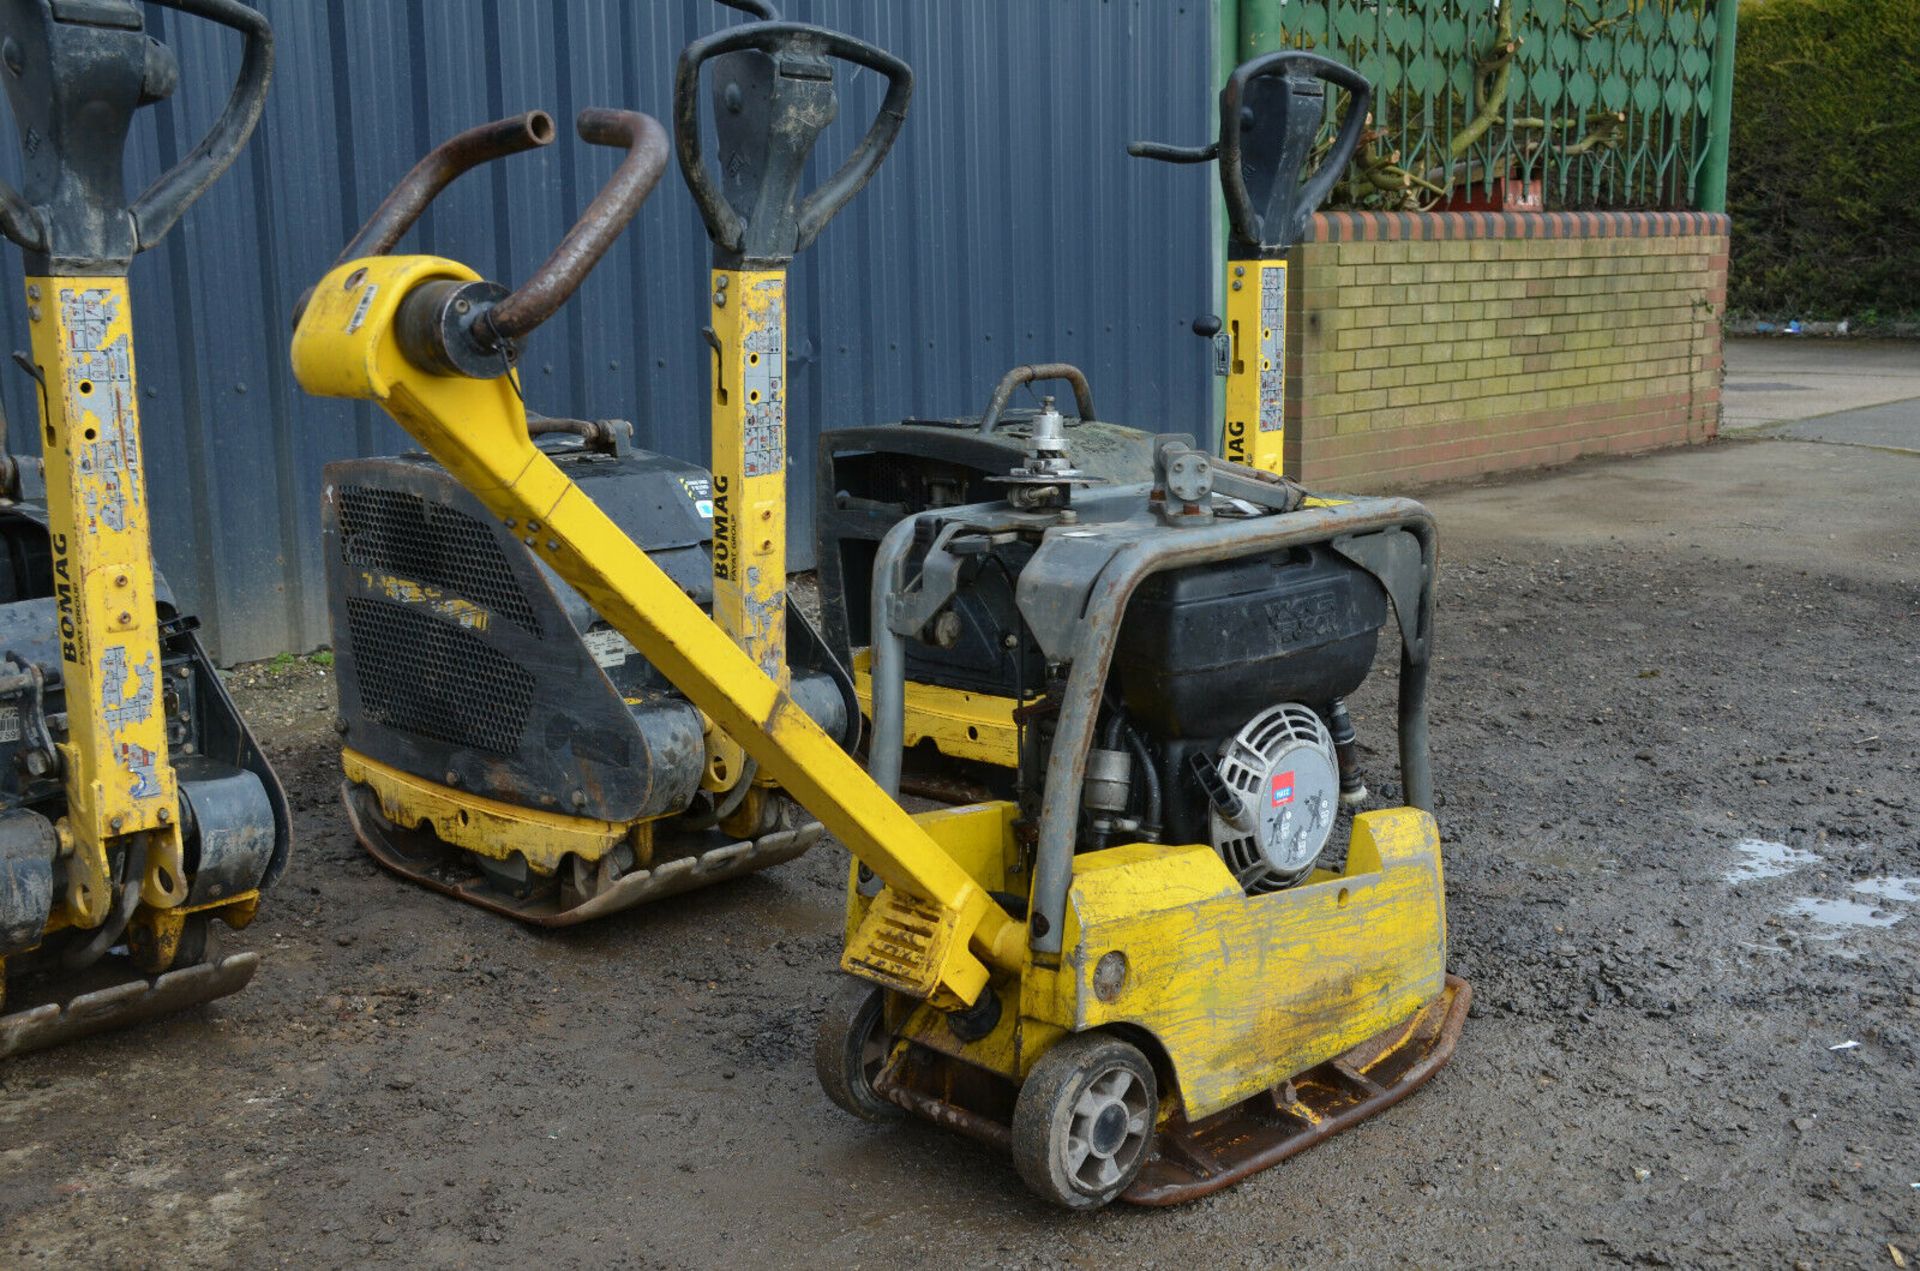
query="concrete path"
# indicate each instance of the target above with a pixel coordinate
(1862, 392)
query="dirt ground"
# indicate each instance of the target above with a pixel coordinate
(1643, 665)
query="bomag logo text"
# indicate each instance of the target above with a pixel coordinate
(63, 589)
(1237, 440)
(723, 528)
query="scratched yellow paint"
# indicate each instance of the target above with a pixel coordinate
(961, 725)
(1256, 365)
(749, 409)
(487, 826)
(118, 778)
(1243, 992)
(345, 346)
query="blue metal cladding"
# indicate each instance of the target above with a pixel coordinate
(1008, 226)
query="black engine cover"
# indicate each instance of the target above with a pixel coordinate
(1202, 649)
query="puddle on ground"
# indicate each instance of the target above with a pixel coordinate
(1761, 858)
(1841, 915)
(1890, 888)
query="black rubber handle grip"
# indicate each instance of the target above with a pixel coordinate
(160, 208)
(725, 226)
(1296, 201)
(1291, 203)
(164, 202)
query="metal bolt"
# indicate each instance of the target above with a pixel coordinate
(553, 545)
(724, 280)
(1239, 271)
(33, 291)
(533, 527)
(120, 580)
(578, 798)
(340, 725)
(125, 617)
(33, 313)
(1236, 284)
(114, 823)
(510, 523)
(461, 306)
(453, 778)
(165, 815)
(182, 672)
(528, 540)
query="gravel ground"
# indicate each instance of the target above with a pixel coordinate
(1676, 723)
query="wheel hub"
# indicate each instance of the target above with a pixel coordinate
(1110, 1128)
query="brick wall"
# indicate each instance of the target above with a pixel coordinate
(1428, 347)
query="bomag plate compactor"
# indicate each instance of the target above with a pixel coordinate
(1138, 975)
(135, 807)
(505, 741)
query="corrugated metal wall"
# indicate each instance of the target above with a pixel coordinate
(1008, 226)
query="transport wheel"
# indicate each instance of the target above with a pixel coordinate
(1084, 1120)
(851, 1047)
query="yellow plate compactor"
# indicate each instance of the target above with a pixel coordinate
(135, 807)
(502, 740)
(1142, 976)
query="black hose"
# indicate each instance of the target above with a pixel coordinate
(133, 873)
(1149, 779)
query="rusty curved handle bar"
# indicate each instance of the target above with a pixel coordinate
(725, 226)
(434, 173)
(560, 275)
(536, 299)
(1003, 392)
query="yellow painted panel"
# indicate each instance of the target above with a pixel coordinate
(1255, 432)
(487, 826)
(962, 725)
(118, 778)
(1245, 991)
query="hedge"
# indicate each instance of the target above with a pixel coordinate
(1823, 158)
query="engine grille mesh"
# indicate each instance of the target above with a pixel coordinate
(421, 675)
(432, 545)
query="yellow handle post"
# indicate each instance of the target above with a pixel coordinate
(1256, 394)
(118, 778)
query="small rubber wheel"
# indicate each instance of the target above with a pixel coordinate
(851, 1048)
(1084, 1120)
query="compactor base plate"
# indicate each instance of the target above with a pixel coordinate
(122, 1005)
(421, 856)
(1194, 1160)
